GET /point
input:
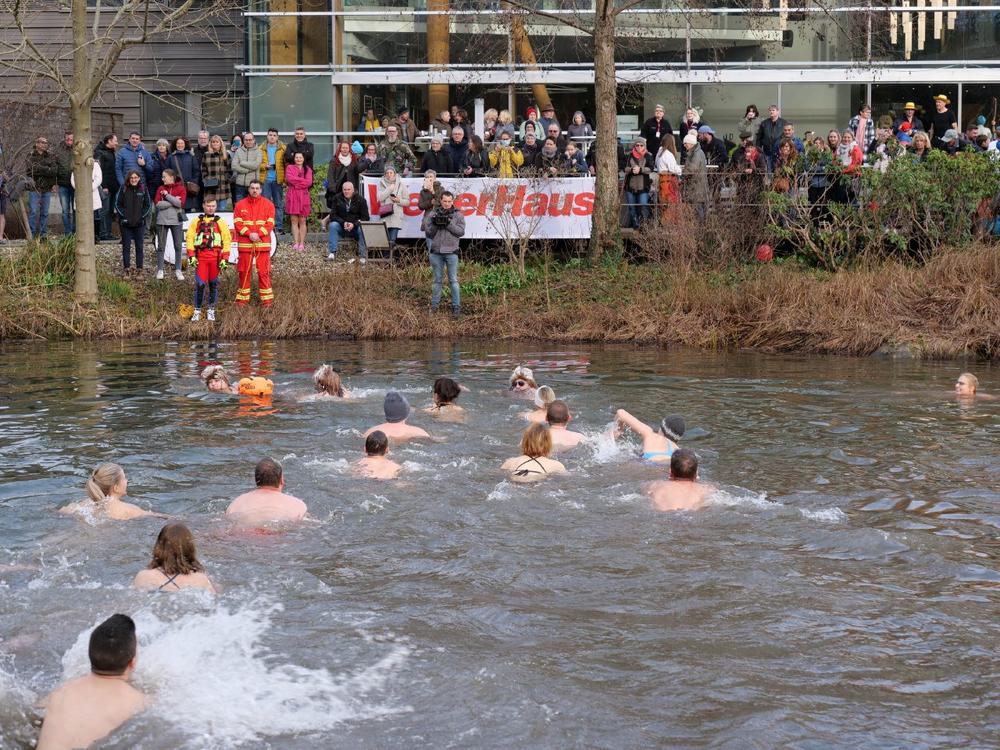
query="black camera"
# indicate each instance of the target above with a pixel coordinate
(441, 218)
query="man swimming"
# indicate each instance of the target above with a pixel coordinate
(558, 417)
(967, 388)
(267, 503)
(376, 464)
(88, 708)
(683, 491)
(397, 409)
(657, 444)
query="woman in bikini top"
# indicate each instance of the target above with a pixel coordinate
(175, 564)
(534, 463)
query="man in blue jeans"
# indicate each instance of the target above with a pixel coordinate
(347, 211)
(64, 153)
(444, 227)
(43, 168)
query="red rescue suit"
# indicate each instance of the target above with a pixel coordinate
(254, 215)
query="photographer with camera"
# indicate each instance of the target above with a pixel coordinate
(444, 227)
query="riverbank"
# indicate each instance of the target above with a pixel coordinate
(948, 308)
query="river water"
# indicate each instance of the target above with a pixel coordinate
(842, 588)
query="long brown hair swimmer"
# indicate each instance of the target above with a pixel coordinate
(175, 563)
(534, 462)
(328, 383)
(105, 487)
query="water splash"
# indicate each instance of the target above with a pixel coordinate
(212, 668)
(760, 501)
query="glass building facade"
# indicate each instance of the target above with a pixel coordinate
(322, 63)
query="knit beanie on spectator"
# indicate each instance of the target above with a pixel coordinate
(691, 138)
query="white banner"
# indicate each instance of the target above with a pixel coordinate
(226, 216)
(495, 208)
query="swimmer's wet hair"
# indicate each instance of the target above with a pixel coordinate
(376, 444)
(327, 380)
(536, 441)
(213, 372)
(268, 473)
(446, 390)
(174, 552)
(973, 380)
(684, 464)
(112, 645)
(557, 413)
(102, 480)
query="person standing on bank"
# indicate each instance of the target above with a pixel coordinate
(215, 174)
(942, 120)
(171, 196)
(297, 202)
(43, 168)
(132, 206)
(272, 176)
(444, 226)
(253, 220)
(64, 153)
(246, 165)
(105, 154)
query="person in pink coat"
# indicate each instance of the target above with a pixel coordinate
(298, 204)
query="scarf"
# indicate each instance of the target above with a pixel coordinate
(344, 159)
(549, 151)
(862, 130)
(844, 153)
(638, 156)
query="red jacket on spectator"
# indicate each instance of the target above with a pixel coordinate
(177, 190)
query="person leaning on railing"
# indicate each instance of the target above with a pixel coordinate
(505, 157)
(437, 158)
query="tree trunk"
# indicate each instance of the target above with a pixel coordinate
(85, 287)
(606, 231)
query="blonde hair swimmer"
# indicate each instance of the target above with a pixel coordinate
(255, 386)
(397, 409)
(175, 564)
(659, 443)
(106, 486)
(328, 383)
(522, 381)
(967, 387)
(216, 380)
(543, 397)
(376, 464)
(534, 462)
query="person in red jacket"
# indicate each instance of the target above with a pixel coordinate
(253, 220)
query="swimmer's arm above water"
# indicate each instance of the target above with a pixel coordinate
(641, 429)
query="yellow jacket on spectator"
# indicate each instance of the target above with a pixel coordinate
(279, 163)
(505, 159)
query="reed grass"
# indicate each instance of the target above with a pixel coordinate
(949, 307)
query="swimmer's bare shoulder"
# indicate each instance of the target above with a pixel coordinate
(675, 494)
(86, 709)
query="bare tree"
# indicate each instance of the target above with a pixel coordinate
(97, 38)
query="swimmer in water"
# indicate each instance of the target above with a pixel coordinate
(376, 464)
(683, 491)
(266, 504)
(543, 397)
(522, 381)
(216, 380)
(105, 488)
(558, 417)
(397, 409)
(657, 444)
(327, 382)
(175, 564)
(445, 394)
(967, 388)
(534, 462)
(82, 711)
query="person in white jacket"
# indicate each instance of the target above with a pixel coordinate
(669, 168)
(96, 178)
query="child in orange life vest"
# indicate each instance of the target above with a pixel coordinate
(207, 244)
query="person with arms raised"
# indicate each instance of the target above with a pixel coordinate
(84, 710)
(657, 444)
(266, 504)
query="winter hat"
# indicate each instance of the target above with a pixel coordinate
(672, 426)
(706, 129)
(530, 111)
(396, 407)
(357, 148)
(746, 134)
(522, 372)
(981, 120)
(544, 396)
(950, 135)
(906, 127)
(691, 138)
(904, 138)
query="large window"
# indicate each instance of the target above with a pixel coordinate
(171, 115)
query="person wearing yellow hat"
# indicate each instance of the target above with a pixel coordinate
(942, 120)
(909, 117)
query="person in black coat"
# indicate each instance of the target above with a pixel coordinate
(714, 149)
(656, 126)
(104, 154)
(300, 145)
(347, 210)
(437, 159)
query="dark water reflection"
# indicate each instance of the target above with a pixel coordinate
(841, 591)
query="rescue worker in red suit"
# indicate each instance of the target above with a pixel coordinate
(207, 243)
(253, 220)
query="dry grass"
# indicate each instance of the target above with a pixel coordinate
(948, 308)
